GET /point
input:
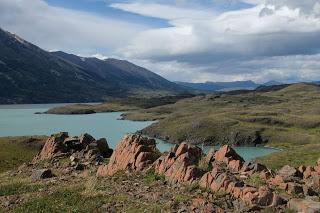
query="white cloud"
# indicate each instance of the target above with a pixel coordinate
(64, 29)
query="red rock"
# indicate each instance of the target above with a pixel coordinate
(134, 152)
(235, 165)
(210, 155)
(277, 180)
(301, 169)
(308, 172)
(53, 145)
(226, 152)
(206, 180)
(294, 188)
(301, 205)
(180, 166)
(289, 173)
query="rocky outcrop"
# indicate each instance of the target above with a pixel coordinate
(134, 152)
(221, 171)
(179, 165)
(81, 150)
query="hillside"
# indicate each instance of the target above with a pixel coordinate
(29, 74)
(284, 116)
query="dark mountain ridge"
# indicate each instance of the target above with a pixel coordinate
(29, 74)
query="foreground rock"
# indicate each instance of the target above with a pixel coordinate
(82, 151)
(134, 152)
(303, 205)
(179, 165)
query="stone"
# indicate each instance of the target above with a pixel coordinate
(303, 205)
(103, 147)
(41, 174)
(294, 188)
(210, 156)
(180, 166)
(226, 153)
(134, 152)
(85, 139)
(53, 145)
(308, 172)
(289, 173)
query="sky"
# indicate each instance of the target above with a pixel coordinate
(182, 40)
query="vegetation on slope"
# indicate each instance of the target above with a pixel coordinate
(283, 117)
(18, 150)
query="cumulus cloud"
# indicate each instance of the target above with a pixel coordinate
(221, 44)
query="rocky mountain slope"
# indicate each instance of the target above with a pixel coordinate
(29, 74)
(75, 174)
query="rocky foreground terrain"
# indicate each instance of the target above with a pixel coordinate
(82, 174)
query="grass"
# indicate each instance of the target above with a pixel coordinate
(18, 188)
(152, 177)
(182, 198)
(295, 156)
(65, 200)
(18, 150)
(255, 180)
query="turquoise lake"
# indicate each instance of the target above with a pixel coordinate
(17, 120)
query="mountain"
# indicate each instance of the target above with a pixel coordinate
(272, 83)
(29, 74)
(220, 86)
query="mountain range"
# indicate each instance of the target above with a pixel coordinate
(226, 86)
(29, 74)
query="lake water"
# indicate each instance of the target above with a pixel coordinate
(17, 120)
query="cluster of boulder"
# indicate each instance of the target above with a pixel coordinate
(82, 152)
(221, 170)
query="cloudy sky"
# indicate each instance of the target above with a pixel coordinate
(185, 40)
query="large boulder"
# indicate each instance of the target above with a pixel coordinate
(134, 152)
(53, 145)
(180, 164)
(229, 156)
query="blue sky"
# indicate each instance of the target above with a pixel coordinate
(182, 40)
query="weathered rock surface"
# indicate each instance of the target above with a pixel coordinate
(179, 165)
(134, 152)
(41, 174)
(52, 146)
(303, 205)
(83, 150)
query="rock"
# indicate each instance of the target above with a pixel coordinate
(53, 145)
(103, 147)
(73, 143)
(180, 166)
(294, 188)
(41, 174)
(210, 156)
(226, 154)
(235, 165)
(289, 173)
(134, 152)
(86, 139)
(302, 205)
(308, 172)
